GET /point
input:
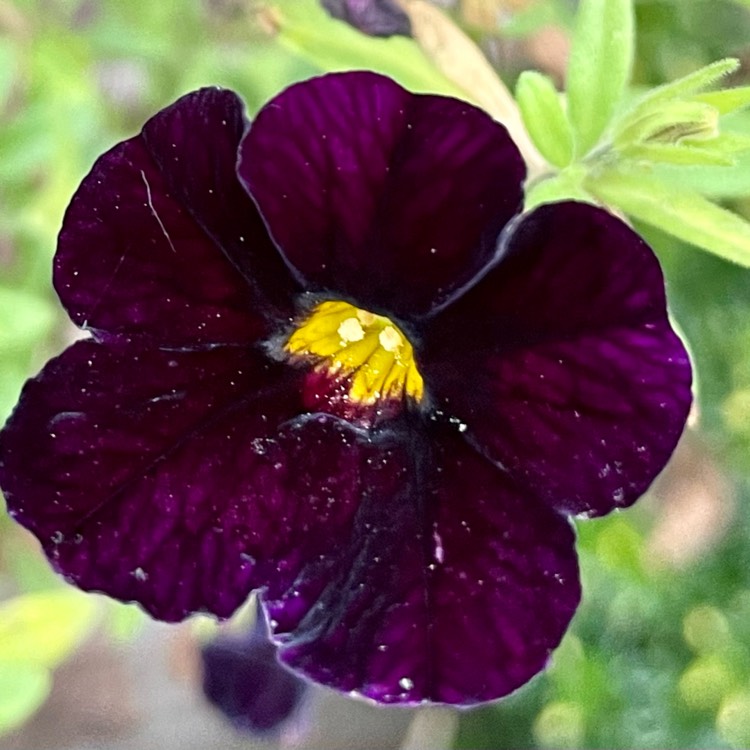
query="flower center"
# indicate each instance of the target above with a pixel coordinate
(368, 351)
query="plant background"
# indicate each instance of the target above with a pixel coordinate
(659, 652)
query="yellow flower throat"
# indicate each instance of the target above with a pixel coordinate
(367, 350)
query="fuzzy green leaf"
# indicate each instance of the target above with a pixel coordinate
(727, 144)
(682, 213)
(601, 58)
(672, 153)
(726, 100)
(713, 182)
(669, 123)
(565, 185)
(654, 101)
(696, 81)
(544, 117)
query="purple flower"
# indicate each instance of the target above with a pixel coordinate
(342, 370)
(242, 677)
(373, 17)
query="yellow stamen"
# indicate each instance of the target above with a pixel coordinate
(367, 349)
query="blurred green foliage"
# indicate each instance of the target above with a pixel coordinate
(659, 653)
(37, 632)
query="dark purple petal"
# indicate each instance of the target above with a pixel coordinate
(373, 17)
(449, 585)
(377, 195)
(204, 179)
(243, 678)
(161, 241)
(185, 488)
(562, 363)
(136, 469)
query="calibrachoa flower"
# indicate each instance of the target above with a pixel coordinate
(330, 362)
(373, 17)
(243, 678)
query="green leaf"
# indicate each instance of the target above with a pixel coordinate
(688, 85)
(728, 144)
(678, 211)
(717, 182)
(726, 100)
(601, 58)
(672, 153)
(332, 45)
(43, 628)
(564, 186)
(544, 117)
(696, 81)
(714, 182)
(23, 689)
(669, 123)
